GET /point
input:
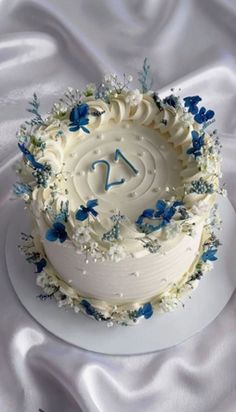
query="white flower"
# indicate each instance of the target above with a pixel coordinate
(200, 208)
(207, 266)
(116, 253)
(42, 280)
(82, 235)
(65, 302)
(134, 97)
(171, 230)
(168, 303)
(187, 119)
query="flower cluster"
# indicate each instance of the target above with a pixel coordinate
(201, 115)
(163, 214)
(197, 144)
(201, 186)
(114, 234)
(116, 253)
(152, 245)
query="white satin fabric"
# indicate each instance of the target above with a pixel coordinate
(45, 46)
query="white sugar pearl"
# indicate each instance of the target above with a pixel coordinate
(140, 154)
(100, 136)
(136, 274)
(84, 272)
(110, 324)
(126, 126)
(133, 194)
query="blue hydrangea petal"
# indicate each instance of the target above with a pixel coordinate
(81, 214)
(51, 235)
(210, 114)
(160, 205)
(85, 129)
(40, 265)
(74, 128)
(83, 110)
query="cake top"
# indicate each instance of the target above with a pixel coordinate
(117, 172)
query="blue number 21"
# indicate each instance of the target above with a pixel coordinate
(118, 155)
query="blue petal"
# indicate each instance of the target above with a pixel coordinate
(195, 135)
(74, 115)
(74, 128)
(40, 265)
(81, 215)
(210, 114)
(24, 150)
(147, 310)
(85, 129)
(83, 110)
(161, 205)
(193, 109)
(83, 121)
(177, 203)
(59, 226)
(62, 237)
(148, 213)
(51, 235)
(92, 203)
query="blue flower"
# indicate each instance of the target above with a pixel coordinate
(146, 310)
(171, 100)
(83, 212)
(40, 265)
(89, 309)
(79, 118)
(28, 156)
(198, 143)
(57, 231)
(209, 255)
(163, 212)
(203, 115)
(191, 102)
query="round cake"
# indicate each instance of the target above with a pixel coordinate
(121, 186)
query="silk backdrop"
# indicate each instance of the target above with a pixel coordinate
(46, 46)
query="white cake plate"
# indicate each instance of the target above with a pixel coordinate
(157, 333)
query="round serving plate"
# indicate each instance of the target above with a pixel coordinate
(160, 332)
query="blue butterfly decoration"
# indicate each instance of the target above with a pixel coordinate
(204, 115)
(209, 255)
(197, 142)
(163, 212)
(79, 118)
(83, 212)
(146, 310)
(191, 102)
(30, 157)
(57, 232)
(40, 265)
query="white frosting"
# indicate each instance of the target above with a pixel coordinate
(155, 143)
(130, 279)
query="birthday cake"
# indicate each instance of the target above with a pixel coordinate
(121, 185)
